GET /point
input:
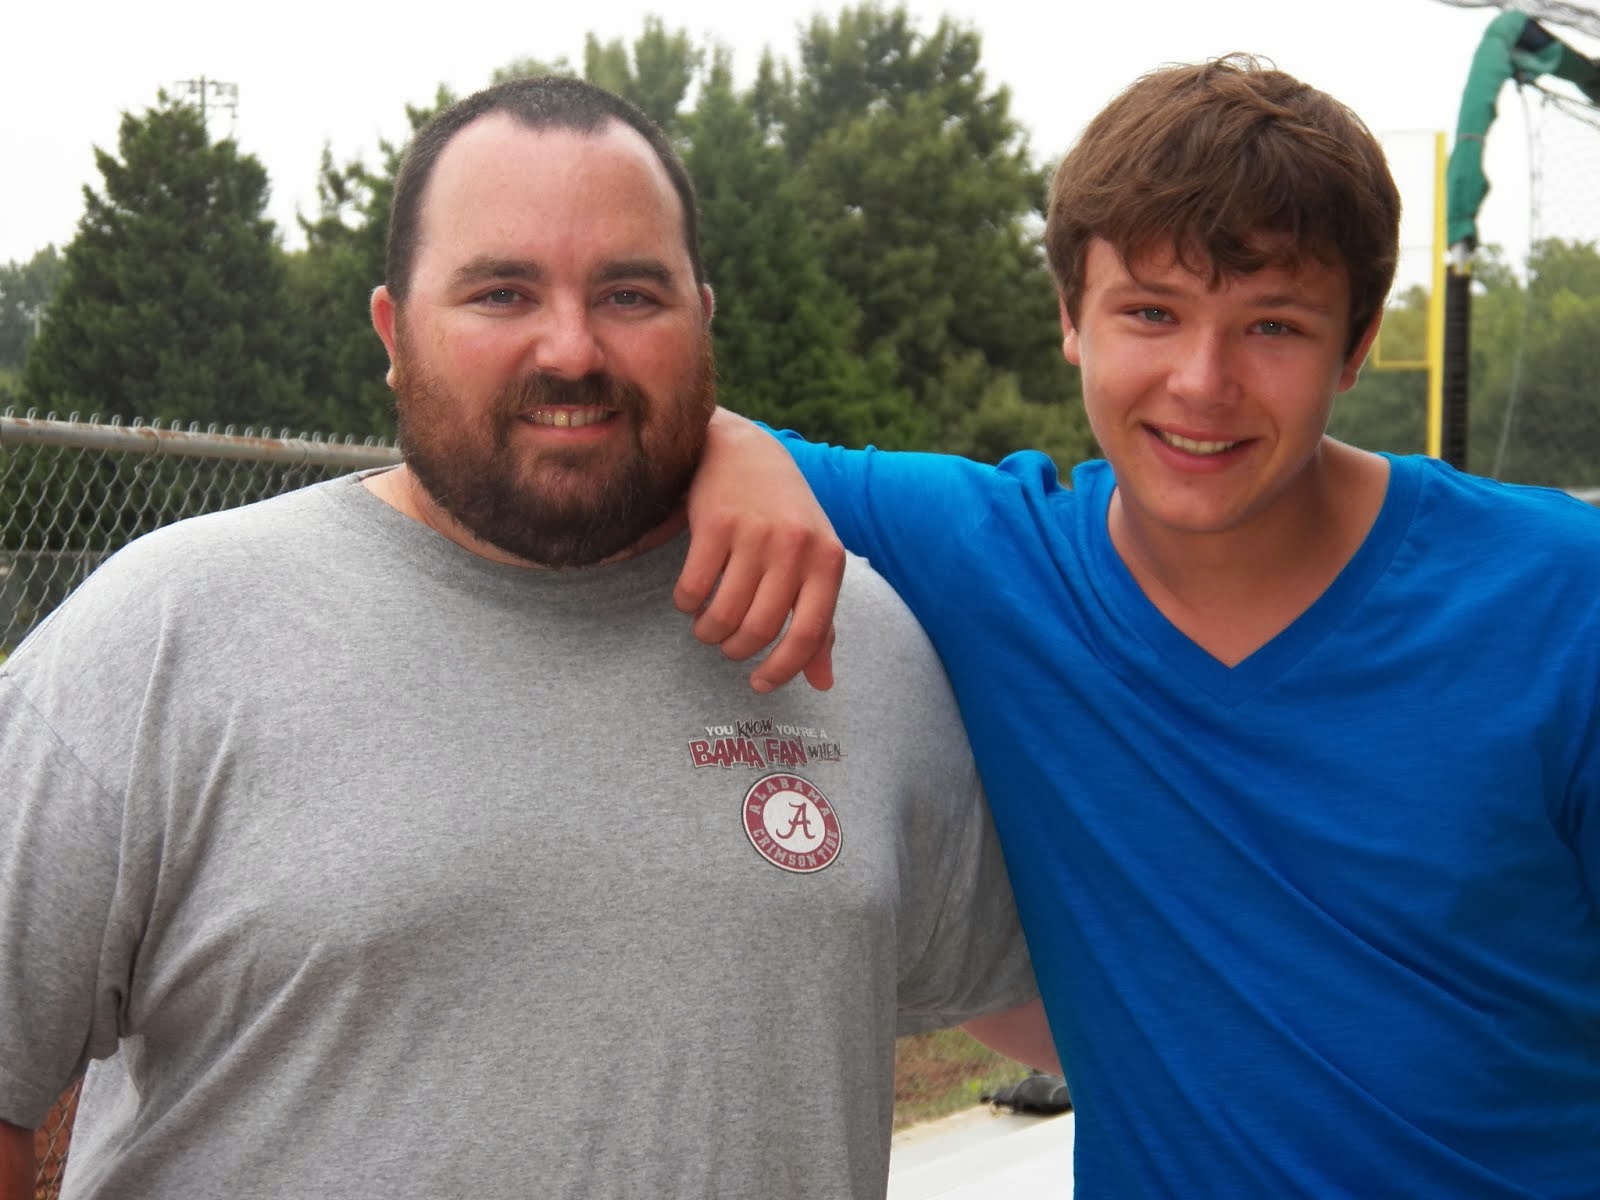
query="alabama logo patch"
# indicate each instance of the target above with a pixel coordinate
(791, 824)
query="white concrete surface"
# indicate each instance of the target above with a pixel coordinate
(979, 1155)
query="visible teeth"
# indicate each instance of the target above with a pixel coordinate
(1193, 447)
(568, 418)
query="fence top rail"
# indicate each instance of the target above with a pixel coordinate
(155, 439)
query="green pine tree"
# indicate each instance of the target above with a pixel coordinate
(341, 360)
(783, 328)
(1535, 356)
(26, 290)
(655, 73)
(919, 186)
(172, 305)
(331, 282)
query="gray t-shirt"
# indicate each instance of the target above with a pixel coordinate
(365, 867)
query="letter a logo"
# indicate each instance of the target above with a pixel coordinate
(791, 824)
(799, 820)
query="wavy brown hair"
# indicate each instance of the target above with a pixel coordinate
(1232, 166)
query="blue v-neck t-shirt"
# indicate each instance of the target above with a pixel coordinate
(1323, 923)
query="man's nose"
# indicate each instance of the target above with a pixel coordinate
(564, 342)
(1205, 373)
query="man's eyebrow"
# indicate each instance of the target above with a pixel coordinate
(1134, 286)
(1134, 283)
(485, 269)
(1290, 300)
(652, 270)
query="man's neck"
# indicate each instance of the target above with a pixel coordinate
(403, 492)
(1232, 591)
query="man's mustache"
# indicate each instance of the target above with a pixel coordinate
(599, 390)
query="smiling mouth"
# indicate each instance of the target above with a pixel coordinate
(1190, 446)
(568, 418)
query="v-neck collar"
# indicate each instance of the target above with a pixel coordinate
(1176, 653)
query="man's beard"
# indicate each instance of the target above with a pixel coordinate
(552, 506)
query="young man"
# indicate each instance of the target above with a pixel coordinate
(354, 855)
(1294, 749)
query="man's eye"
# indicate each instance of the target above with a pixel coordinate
(1153, 316)
(500, 297)
(1274, 328)
(629, 299)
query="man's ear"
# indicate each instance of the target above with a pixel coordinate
(383, 318)
(1069, 335)
(708, 302)
(1351, 371)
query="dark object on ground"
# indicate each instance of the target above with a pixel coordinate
(1045, 1095)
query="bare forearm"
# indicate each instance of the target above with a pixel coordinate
(17, 1166)
(1022, 1033)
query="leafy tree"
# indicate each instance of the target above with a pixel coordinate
(172, 305)
(783, 328)
(1004, 420)
(330, 283)
(1535, 358)
(656, 74)
(1535, 354)
(341, 360)
(26, 290)
(918, 184)
(1387, 409)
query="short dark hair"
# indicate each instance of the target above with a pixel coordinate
(547, 102)
(1206, 159)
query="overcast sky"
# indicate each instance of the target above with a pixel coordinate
(311, 72)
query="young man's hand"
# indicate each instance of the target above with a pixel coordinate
(761, 552)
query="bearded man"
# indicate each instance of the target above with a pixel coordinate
(396, 837)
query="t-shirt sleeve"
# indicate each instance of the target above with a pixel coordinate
(63, 968)
(967, 954)
(975, 960)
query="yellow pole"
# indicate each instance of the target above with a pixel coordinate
(1436, 300)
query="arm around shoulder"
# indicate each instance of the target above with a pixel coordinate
(767, 514)
(761, 553)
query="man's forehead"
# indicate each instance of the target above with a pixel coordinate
(496, 143)
(1277, 256)
(499, 181)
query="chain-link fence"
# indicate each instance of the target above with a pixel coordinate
(1536, 328)
(72, 492)
(50, 1146)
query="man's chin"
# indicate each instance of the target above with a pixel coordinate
(571, 526)
(571, 509)
(568, 547)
